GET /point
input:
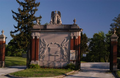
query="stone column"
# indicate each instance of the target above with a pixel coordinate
(79, 54)
(35, 48)
(113, 53)
(76, 48)
(2, 49)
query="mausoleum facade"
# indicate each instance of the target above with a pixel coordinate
(55, 45)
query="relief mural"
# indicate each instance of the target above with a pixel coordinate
(54, 49)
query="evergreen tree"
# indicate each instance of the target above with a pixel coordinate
(25, 20)
(83, 46)
(116, 26)
(99, 48)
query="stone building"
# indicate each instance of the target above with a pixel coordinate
(56, 44)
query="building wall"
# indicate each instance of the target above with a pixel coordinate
(54, 50)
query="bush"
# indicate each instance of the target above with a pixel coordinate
(71, 66)
(35, 66)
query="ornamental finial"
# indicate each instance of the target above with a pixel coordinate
(2, 31)
(38, 21)
(74, 20)
(114, 31)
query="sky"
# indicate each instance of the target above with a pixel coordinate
(92, 16)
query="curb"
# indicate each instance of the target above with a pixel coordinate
(60, 76)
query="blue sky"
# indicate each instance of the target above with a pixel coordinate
(91, 15)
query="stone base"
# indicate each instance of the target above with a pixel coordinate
(53, 64)
(73, 62)
(114, 67)
(2, 63)
(34, 62)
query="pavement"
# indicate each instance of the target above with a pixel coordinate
(88, 70)
(93, 70)
(11, 69)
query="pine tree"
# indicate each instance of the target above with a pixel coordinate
(25, 20)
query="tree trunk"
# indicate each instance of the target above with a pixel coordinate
(28, 56)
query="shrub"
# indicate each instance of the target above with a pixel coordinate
(71, 66)
(35, 66)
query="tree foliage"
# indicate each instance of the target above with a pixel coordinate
(83, 46)
(25, 20)
(13, 50)
(98, 47)
(116, 26)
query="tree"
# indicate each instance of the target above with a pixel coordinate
(98, 47)
(25, 19)
(116, 26)
(13, 50)
(83, 45)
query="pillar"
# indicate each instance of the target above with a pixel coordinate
(35, 48)
(2, 49)
(76, 48)
(72, 49)
(79, 54)
(113, 53)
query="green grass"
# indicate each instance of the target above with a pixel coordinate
(42, 72)
(118, 73)
(14, 61)
(83, 61)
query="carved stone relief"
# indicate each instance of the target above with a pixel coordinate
(55, 17)
(54, 49)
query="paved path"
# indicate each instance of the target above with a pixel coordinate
(88, 70)
(93, 70)
(4, 71)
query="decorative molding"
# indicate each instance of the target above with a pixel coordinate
(34, 62)
(79, 33)
(2, 37)
(38, 37)
(76, 37)
(35, 34)
(75, 34)
(71, 37)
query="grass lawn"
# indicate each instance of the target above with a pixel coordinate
(83, 61)
(42, 72)
(14, 61)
